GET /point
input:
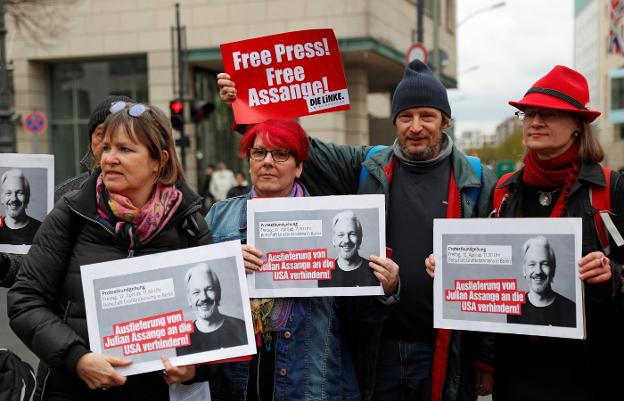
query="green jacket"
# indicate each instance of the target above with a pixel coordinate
(335, 170)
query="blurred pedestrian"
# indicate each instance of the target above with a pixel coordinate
(205, 191)
(221, 182)
(242, 186)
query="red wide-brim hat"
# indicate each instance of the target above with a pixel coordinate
(561, 89)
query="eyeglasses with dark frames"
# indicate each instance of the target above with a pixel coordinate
(278, 155)
(546, 115)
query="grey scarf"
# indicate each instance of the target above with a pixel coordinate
(445, 150)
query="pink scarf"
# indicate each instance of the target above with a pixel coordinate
(138, 226)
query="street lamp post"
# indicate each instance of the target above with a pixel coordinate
(479, 11)
(467, 70)
(469, 16)
(420, 5)
(436, 39)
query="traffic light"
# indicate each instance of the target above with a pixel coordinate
(176, 108)
(200, 109)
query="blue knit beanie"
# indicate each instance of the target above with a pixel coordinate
(419, 88)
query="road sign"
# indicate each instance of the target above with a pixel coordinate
(35, 123)
(416, 51)
(505, 166)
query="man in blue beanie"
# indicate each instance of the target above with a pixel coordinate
(424, 176)
(10, 263)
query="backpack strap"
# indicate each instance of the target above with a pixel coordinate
(475, 163)
(474, 192)
(600, 199)
(191, 229)
(500, 194)
(17, 378)
(369, 154)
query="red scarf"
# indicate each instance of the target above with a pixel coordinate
(560, 171)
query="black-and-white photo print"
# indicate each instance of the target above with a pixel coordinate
(212, 328)
(544, 305)
(316, 246)
(515, 276)
(26, 197)
(350, 268)
(191, 305)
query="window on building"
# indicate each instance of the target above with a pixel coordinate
(617, 93)
(618, 131)
(75, 89)
(215, 141)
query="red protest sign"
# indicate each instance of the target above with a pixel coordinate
(288, 75)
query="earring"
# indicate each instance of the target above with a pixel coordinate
(575, 134)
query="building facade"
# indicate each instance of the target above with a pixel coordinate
(125, 47)
(598, 54)
(472, 139)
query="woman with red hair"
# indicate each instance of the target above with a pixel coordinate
(282, 139)
(302, 350)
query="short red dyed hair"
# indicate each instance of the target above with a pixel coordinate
(278, 133)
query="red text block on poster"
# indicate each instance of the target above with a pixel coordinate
(287, 75)
(300, 264)
(500, 296)
(150, 334)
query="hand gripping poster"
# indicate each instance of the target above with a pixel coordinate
(26, 195)
(316, 246)
(287, 75)
(190, 305)
(509, 276)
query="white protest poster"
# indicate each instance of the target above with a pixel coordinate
(26, 197)
(316, 246)
(191, 305)
(509, 276)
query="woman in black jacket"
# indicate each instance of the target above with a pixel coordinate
(136, 203)
(561, 172)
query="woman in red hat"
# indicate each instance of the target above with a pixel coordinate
(561, 169)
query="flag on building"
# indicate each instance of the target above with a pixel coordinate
(616, 25)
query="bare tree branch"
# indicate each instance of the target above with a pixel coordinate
(39, 21)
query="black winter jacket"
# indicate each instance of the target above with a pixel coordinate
(46, 303)
(542, 368)
(10, 263)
